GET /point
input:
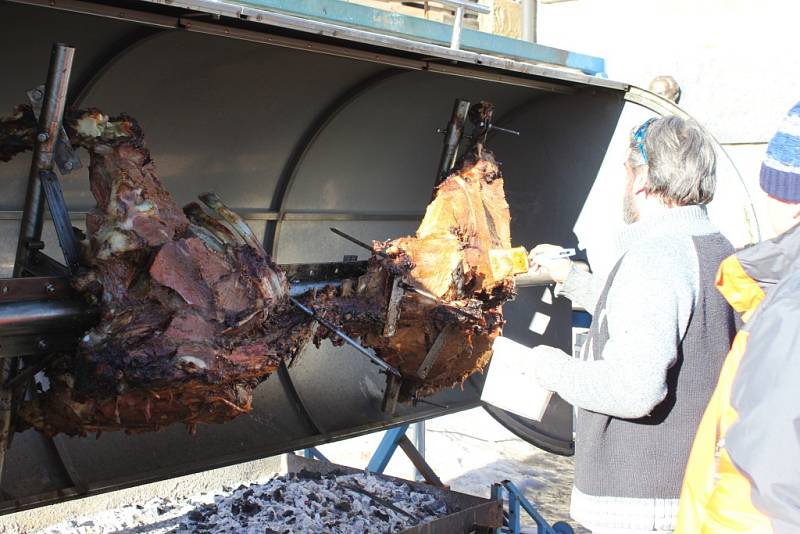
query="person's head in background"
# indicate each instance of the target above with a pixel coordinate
(667, 87)
(780, 174)
(671, 162)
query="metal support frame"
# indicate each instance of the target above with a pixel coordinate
(394, 438)
(391, 394)
(54, 101)
(359, 22)
(313, 453)
(532, 59)
(529, 9)
(419, 442)
(70, 245)
(516, 504)
(458, 22)
(196, 26)
(65, 156)
(29, 242)
(452, 139)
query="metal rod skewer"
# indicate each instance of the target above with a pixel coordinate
(434, 298)
(358, 242)
(405, 285)
(347, 339)
(504, 130)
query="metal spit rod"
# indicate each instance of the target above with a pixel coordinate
(452, 139)
(528, 279)
(358, 242)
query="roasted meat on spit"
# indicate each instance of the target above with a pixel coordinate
(431, 304)
(194, 315)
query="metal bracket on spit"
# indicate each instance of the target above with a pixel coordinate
(391, 395)
(58, 209)
(29, 242)
(393, 311)
(432, 356)
(427, 364)
(480, 116)
(452, 139)
(65, 156)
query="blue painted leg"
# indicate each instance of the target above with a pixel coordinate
(386, 449)
(513, 513)
(517, 499)
(313, 453)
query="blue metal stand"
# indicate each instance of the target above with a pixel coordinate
(419, 443)
(385, 451)
(396, 437)
(517, 500)
(313, 453)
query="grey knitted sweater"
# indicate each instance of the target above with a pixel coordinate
(637, 416)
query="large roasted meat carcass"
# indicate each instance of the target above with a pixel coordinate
(194, 315)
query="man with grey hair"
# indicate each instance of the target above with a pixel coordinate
(659, 334)
(667, 87)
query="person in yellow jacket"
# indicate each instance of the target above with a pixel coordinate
(743, 473)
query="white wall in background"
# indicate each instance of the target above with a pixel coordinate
(738, 61)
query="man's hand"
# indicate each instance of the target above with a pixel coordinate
(541, 260)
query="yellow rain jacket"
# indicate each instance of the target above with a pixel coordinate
(743, 473)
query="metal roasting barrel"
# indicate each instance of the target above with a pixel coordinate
(297, 127)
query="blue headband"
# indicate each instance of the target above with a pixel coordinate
(639, 136)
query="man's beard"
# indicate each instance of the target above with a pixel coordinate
(629, 212)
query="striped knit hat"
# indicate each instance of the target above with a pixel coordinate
(780, 172)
